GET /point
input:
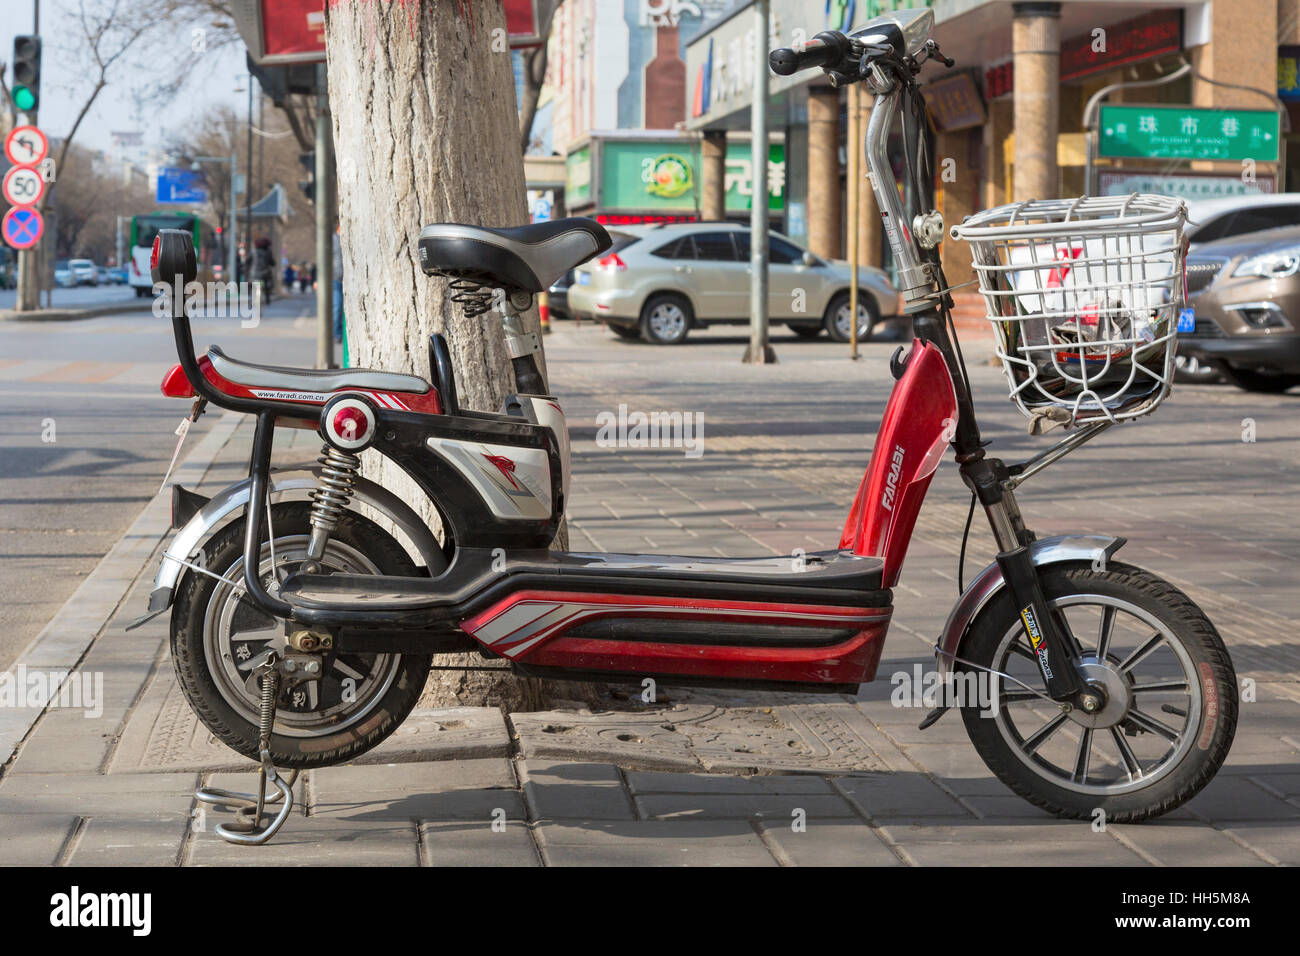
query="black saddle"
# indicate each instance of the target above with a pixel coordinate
(527, 258)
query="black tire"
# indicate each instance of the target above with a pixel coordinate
(1194, 371)
(840, 332)
(804, 330)
(630, 332)
(1190, 762)
(1270, 383)
(386, 702)
(666, 319)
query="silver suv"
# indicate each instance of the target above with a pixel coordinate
(659, 282)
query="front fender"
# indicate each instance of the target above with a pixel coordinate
(1055, 550)
(290, 486)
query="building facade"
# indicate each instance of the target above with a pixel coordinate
(1010, 116)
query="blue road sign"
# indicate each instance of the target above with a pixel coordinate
(22, 227)
(183, 186)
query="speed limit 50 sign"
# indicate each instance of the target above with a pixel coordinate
(23, 186)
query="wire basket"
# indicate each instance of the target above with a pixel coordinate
(1084, 295)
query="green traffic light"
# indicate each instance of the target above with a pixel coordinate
(24, 98)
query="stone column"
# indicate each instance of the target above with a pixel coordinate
(824, 198)
(713, 175)
(1036, 46)
(869, 228)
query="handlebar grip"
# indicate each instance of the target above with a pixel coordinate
(825, 49)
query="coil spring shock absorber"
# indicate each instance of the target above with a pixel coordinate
(338, 472)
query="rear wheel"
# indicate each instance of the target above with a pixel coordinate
(836, 319)
(1258, 381)
(218, 638)
(1170, 695)
(666, 319)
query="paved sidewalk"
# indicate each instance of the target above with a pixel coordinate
(728, 778)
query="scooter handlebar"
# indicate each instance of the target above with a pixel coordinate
(825, 49)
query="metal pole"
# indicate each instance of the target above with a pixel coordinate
(324, 224)
(232, 255)
(854, 161)
(759, 351)
(248, 184)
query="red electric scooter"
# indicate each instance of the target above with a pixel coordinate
(302, 630)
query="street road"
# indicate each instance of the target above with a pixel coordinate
(82, 297)
(92, 385)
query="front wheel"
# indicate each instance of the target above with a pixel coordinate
(218, 638)
(1168, 684)
(836, 319)
(666, 319)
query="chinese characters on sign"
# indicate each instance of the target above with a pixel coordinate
(1141, 38)
(1185, 132)
(1184, 186)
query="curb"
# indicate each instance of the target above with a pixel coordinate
(72, 315)
(67, 636)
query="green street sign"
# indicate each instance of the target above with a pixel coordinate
(1187, 132)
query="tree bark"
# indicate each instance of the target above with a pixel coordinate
(425, 130)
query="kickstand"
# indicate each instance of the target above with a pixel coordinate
(247, 830)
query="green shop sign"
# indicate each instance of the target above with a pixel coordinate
(577, 176)
(663, 177)
(1185, 132)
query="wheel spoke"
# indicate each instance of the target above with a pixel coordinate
(1031, 744)
(1082, 757)
(1176, 683)
(1131, 763)
(1020, 696)
(1142, 652)
(1149, 723)
(1067, 633)
(1026, 653)
(1107, 631)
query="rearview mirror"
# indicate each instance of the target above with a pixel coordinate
(172, 256)
(810, 260)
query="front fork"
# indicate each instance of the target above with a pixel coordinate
(1055, 650)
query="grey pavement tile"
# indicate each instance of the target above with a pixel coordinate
(829, 843)
(901, 795)
(34, 839)
(562, 790)
(477, 844)
(732, 806)
(471, 805)
(1230, 798)
(647, 782)
(1186, 843)
(315, 841)
(1273, 840)
(438, 776)
(130, 841)
(937, 843)
(653, 843)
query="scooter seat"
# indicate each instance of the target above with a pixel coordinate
(311, 379)
(528, 258)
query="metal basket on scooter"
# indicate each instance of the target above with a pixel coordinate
(1084, 296)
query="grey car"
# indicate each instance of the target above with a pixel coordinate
(1244, 295)
(659, 282)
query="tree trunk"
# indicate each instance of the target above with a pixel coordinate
(425, 130)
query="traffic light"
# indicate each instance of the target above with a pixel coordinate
(27, 73)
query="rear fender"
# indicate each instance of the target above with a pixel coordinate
(1092, 548)
(285, 486)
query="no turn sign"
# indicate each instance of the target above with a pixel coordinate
(23, 186)
(26, 146)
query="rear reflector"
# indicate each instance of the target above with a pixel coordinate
(176, 385)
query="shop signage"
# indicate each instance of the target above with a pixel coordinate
(1288, 73)
(1186, 132)
(954, 102)
(1182, 185)
(1153, 34)
(663, 176)
(577, 177)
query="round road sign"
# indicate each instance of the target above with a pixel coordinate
(23, 186)
(26, 146)
(22, 227)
